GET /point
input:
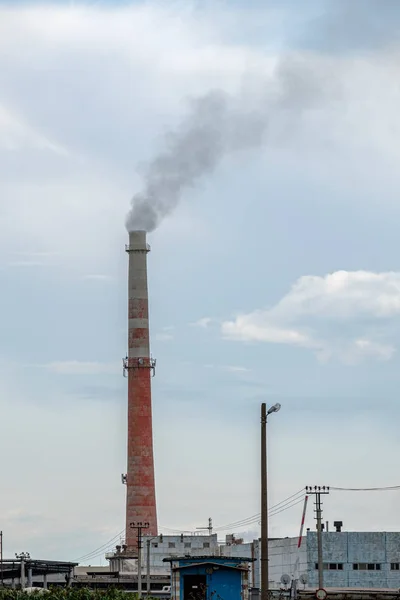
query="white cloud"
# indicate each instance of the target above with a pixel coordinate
(15, 135)
(228, 368)
(204, 322)
(342, 295)
(366, 348)
(235, 369)
(98, 277)
(254, 327)
(164, 337)
(317, 312)
(75, 367)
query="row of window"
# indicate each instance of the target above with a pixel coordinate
(331, 566)
(358, 566)
(186, 545)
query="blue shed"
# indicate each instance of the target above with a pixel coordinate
(209, 578)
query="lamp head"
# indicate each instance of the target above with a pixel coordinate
(274, 408)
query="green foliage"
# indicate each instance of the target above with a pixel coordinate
(67, 594)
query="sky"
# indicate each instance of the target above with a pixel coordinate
(275, 279)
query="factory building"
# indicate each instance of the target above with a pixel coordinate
(356, 559)
(351, 559)
(156, 549)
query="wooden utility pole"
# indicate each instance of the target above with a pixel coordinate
(1, 557)
(317, 491)
(264, 499)
(264, 505)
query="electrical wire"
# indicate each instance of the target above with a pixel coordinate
(104, 546)
(281, 506)
(283, 509)
(255, 518)
(373, 489)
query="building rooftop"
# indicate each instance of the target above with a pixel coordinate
(11, 568)
(209, 558)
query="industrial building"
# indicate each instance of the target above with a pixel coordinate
(351, 559)
(27, 572)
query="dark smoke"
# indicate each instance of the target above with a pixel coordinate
(219, 124)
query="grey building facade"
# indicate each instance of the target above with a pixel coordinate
(356, 559)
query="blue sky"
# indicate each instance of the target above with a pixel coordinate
(276, 278)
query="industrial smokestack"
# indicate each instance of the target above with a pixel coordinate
(141, 498)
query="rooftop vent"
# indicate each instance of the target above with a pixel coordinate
(338, 525)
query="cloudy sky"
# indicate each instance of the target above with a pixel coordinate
(276, 278)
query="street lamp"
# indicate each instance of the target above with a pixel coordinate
(275, 408)
(264, 498)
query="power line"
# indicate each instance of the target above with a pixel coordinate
(291, 506)
(281, 506)
(289, 497)
(104, 546)
(373, 489)
(256, 517)
(101, 553)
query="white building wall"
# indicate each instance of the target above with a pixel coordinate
(166, 546)
(285, 558)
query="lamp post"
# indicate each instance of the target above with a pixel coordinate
(264, 498)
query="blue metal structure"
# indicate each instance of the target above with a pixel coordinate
(209, 578)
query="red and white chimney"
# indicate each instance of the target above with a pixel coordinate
(140, 482)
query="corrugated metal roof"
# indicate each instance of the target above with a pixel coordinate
(209, 558)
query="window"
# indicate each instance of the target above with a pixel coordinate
(171, 544)
(331, 566)
(366, 567)
(188, 545)
(395, 566)
(206, 544)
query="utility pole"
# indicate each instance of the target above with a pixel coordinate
(264, 499)
(148, 569)
(1, 557)
(318, 491)
(148, 542)
(264, 505)
(139, 527)
(23, 557)
(209, 527)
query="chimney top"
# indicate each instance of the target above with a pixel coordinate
(137, 242)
